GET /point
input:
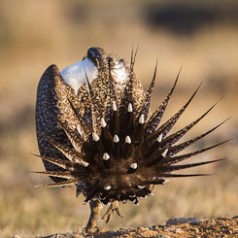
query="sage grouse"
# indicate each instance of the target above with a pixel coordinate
(94, 131)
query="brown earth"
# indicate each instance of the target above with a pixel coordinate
(220, 227)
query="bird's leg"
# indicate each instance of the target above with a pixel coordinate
(95, 208)
(114, 207)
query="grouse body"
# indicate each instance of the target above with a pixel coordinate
(95, 131)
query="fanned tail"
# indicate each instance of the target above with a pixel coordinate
(116, 150)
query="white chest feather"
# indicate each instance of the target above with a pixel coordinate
(76, 74)
(120, 73)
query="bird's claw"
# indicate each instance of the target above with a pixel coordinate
(114, 207)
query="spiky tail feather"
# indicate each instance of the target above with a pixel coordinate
(131, 152)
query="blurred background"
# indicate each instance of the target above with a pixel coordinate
(201, 36)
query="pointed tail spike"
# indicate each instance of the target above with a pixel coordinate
(156, 117)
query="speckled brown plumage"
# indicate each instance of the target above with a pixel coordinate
(102, 139)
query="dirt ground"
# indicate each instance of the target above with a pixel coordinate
(220, 227)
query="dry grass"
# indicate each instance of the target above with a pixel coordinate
(45, 33)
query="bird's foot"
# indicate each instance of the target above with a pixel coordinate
(90, 230)
(114, 207)
(95, 207)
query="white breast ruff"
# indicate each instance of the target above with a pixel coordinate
(119, 72)
(75, 74)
